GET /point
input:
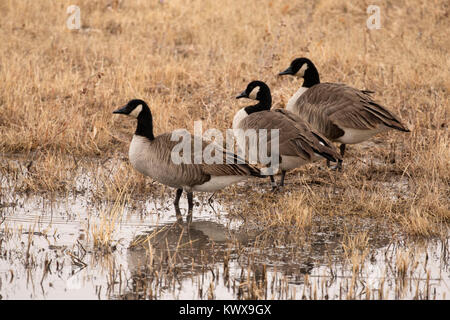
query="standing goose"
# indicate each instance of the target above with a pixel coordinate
(341, 113)
(299, 143)
(151, 156)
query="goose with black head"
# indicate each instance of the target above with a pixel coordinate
(341, 113)
(151, 156)
(298, 142)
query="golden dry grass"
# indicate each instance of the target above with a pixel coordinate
(188, 59)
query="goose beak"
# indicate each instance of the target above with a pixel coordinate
(287, 71)
(242, 95)
(122, 110)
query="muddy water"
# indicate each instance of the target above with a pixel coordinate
(47, 251)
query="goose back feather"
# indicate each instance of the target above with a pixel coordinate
(296, 137)
(153, 158)
(332, 108)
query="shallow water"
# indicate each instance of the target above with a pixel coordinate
(45, 254)
(47, 251)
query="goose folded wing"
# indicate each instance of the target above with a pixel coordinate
(347, 107)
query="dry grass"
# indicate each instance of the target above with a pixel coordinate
(103, 230)
(189, 59)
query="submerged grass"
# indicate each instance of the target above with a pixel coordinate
(103, 230)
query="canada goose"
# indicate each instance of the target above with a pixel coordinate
(341, 113)
(151, 156)
(299, 143)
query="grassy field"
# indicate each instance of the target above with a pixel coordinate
(188, 60)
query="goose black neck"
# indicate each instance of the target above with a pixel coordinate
(311, 76)
(145, 123)
(265, 102)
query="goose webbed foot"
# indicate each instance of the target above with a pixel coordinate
(337, 167)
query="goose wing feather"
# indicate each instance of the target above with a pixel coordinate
(333, 105)
(296, 137)
(201, 172)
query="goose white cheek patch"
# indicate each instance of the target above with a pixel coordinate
(302, 70)
(136, 111)
(254, 93)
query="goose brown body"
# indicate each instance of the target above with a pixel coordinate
(298, 142)
(334, 109)
(153, 158)
(296, 137)
(341, 113)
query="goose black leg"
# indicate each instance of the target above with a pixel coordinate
(342, 149)
(190, 201)
(190, 207)
(210, 202)
(210, 199)
(283, 174)
(273, 183)
(338, 166)
(177, 204)
(177, 198)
